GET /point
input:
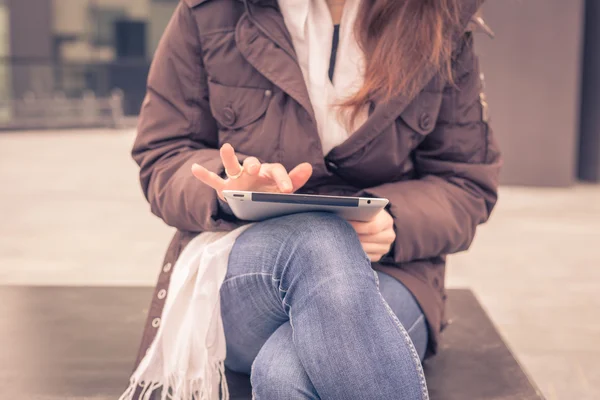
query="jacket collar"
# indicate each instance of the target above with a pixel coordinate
(264, 41)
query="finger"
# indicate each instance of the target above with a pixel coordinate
(358, 226)
(387, 219)
(205, 176)
(374, 257)
(376, 248)
(380, 223)
(278, 173)
(230, 161)
(386, 236)
(252, 165)
(300, 175)
(363, 228)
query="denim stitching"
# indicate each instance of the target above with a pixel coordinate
(414, 325)
(290, 317)
(278, 283)
(411, 346)
(408, 341)
(287, 310)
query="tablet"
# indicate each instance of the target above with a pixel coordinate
(258, 206)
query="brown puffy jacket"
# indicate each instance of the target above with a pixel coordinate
(224, 74)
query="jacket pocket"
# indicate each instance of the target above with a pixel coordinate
(237, 107)
(422, 113)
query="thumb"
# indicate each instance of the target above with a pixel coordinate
(300, 175)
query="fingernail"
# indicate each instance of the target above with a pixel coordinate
(285, 186)
(195, 165)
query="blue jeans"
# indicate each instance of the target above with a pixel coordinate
(308, 318)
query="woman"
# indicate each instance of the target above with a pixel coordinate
(375, 98)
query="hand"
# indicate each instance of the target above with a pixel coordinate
(377, 235)
(254, 176)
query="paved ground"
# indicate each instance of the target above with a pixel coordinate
(71, 212)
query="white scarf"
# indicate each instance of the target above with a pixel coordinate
(186, 358)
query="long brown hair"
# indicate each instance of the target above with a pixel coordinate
(401, 40)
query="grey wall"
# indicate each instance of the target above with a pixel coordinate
(30, 37)
(30, 28)
(160, 14)
(532, 71)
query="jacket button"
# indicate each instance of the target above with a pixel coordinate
(268, 93)
(425, 121)
(436, 282)
(167, 267)
(229, 116)
(162, 293)
(155, 322)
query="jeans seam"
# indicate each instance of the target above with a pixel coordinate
(414, 325)
(411, 346)
(291, 324)
(278, 283)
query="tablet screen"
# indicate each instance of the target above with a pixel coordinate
(305, 199)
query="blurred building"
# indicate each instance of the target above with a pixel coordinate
(69, 47)
(542, 74)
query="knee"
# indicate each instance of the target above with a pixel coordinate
(315, 232)
(311, 234)
(327, 237)
(322, 225)
(323, 247)
(278, 377)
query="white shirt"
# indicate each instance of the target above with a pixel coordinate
(311, 28)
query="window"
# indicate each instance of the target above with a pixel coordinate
(103, 24)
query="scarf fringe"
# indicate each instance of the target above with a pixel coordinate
(178, 388)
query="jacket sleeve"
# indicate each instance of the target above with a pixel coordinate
(176, 129)
(457, 168)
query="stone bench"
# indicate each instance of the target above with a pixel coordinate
(64, 343)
